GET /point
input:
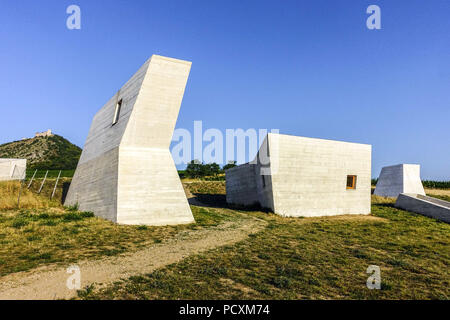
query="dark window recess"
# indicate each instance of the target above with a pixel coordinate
(351, 182)
(117, 112)
(263, 181)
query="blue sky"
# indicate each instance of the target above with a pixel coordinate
(308, 68)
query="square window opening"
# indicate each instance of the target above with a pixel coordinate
(351, 182)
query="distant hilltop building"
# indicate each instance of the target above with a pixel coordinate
(47, 133)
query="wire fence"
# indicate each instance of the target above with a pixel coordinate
(47, 183)
(39, 174)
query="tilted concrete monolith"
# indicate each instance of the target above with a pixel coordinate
(126, 172)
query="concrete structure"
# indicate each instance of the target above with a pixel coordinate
(427, 206)
(401, 178)
(126, 172)
(47, 133)
(13, 169)
(297, 176)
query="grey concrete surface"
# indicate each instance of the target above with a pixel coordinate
(424, 205)
(401, 178)
(126, 172)
(304, 177)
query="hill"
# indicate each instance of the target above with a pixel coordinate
(53, 152)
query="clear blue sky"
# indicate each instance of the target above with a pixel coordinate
(308, 68)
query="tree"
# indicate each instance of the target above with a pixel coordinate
(194, 169)
(230, 165)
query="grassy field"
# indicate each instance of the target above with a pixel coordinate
(310, 258)
(29, 199)
(292, 258)
(44, 232)
(31, 238)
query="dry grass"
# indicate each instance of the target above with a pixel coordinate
(42, 231)
(30, 238)
(9, 192)
(308, 258)
(206, 187)
(293, 258)
(382, 200)
(438, 192)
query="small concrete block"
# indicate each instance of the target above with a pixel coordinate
(401, 178)
(13, 169)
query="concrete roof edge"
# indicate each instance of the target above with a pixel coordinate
(291, 135)
(170, 59)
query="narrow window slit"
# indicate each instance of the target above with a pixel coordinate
(117, 112)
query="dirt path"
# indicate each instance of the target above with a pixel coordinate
(50, 282)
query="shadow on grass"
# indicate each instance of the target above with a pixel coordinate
(388, 205)
(219, 201)
(65, 189)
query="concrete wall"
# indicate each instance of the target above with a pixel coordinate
(241, 185)
(13, 169)
(307, 177)
(411, 179)
(401, 178)
(264, 174)
(427, 206)
(126, 172)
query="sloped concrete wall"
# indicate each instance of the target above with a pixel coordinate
(94, 184)
(427, 206)
(126, 173)
(13, 169)
(411, 179)
(401, 178)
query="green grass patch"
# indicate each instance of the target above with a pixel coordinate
(30, 238)
(310, 258)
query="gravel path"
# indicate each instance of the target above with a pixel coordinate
(50, 282)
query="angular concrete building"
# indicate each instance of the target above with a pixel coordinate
(126, 172)
(13, 169)
(297, 176)
(401, 178)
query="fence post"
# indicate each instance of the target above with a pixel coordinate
(43, 181)
(32, 179)
(56, 183)
(20, 191)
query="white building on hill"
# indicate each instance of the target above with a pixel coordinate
(13, 169)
